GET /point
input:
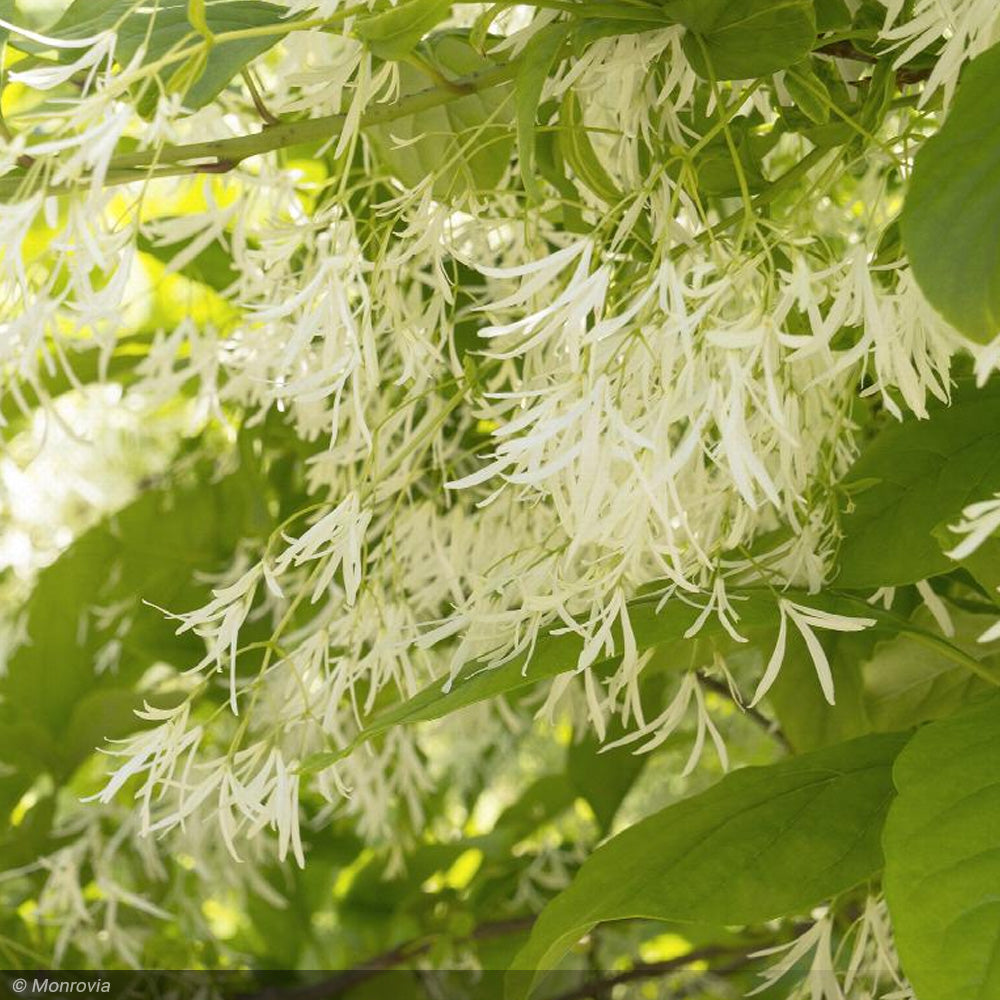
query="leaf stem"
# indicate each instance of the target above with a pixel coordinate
(928, 639)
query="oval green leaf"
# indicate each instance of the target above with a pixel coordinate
(395, 32)
(950, 219)
(942, 851)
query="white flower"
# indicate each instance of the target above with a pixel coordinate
(964, 28)
(219, 623)
(672, 716)
(821, 977)
(46, 77)
(937, 608)
(805, 620)
(336, 540)
(979, 522)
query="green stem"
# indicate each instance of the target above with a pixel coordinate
(929, 639)
(951, 652)
(241, 147)
(221, 155)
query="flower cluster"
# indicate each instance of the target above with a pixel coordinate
(512, 423)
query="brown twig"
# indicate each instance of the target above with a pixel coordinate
(845, 50)
(403, 953)
(268, 117)
(597, 988)
(218, 167)
(754, 714)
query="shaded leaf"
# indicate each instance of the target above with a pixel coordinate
(805, 717)
(149, 551)
(909, 479)
(762, 843)
(579, 153)
(105, 714)
(212, 266)
(464, 144)
(907, 682)
(534, 65)
(949, 226)
(943, 858)
(744, 38)
(395, 32)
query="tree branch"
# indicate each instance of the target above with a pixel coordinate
(843, 49)
(406, 952)
(601, 987)
(223, 155)
(754, 714)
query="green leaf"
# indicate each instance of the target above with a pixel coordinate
(909, 479)
(604, 779)
(465, 144)
(540, 802)
(717, 169)
(579, 154)
(23, 843)
(8, 11)
(27, 750)
(197, 18)
(808, 92)
(394, 33)
(743, 39)
(533, 68)
(164, 27)
(212, 266)
(479, 33)
(762, 843)
(983, 564)
(149, 551)
(943, 857)
(949, 218)
(878, 100)
(832, 15)
(104, 714)
(551, 165)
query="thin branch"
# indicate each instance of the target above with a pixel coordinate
(843, 49)
(652, 970)
(754, 714)
(402, 954)
(268, 117)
